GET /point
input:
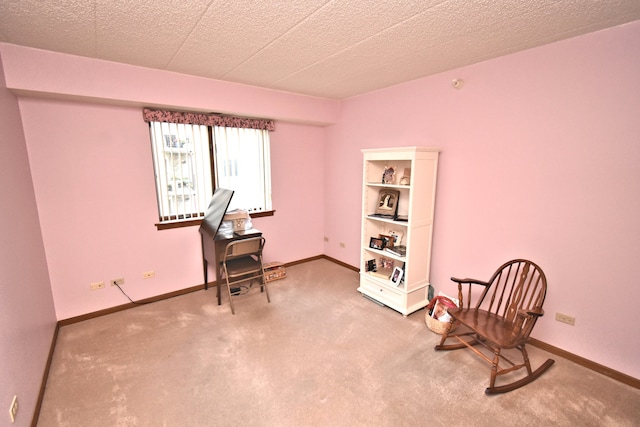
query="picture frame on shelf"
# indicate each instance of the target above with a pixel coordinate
(386, 263)
(388, 203)
(396, 236)
(371, 265)
(396, 276)
(384, 268)
(387, 240)
(376, 243)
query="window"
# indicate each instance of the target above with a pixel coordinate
(191, 159)
(243, 165)
(183, 166)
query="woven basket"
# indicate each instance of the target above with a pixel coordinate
(434, 324)
(437, 326)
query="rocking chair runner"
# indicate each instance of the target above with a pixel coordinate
(502, 318)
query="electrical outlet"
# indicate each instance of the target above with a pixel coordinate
(96, 285)
(565, 318)
(13, 409)
(119, 281)
(148, 274)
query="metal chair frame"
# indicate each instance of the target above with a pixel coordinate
(243, 262)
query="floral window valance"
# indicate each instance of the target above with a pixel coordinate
(150, 115)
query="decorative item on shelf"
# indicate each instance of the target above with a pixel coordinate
(396, 235)
(396, 276)
(376, 243)
(406, 177)
(371, 265)
(386, 263)
(399, 250)
(274, 271)
(388, 177)
(384, 268)
(404, 218)
(383, 273)
(387, 240)
(387, 203)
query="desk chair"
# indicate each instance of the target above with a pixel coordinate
(243, 262)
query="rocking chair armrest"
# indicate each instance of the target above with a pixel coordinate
(539, 312)
(519, 331)
(522, 313)
(470, 281)
(467, 282)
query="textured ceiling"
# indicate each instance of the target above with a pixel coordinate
(331, 49)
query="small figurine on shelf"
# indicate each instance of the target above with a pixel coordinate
(406, 177)
(388, 175)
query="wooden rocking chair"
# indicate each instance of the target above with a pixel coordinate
(502, 318)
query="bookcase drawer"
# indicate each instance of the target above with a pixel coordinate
(382, 293)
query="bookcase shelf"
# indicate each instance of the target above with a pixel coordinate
(408, 175)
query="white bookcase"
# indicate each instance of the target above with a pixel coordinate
(414, 182)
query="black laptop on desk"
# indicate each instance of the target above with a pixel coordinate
(215, 212)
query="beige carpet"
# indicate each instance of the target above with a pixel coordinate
(319, 355)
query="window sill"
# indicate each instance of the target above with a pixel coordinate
(179, 223)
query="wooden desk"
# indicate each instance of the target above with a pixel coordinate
(213, 252)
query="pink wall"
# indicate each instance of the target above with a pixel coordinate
(27, 316)
(540, 155)
(32, 71)
(297, 181)
(93, 177)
